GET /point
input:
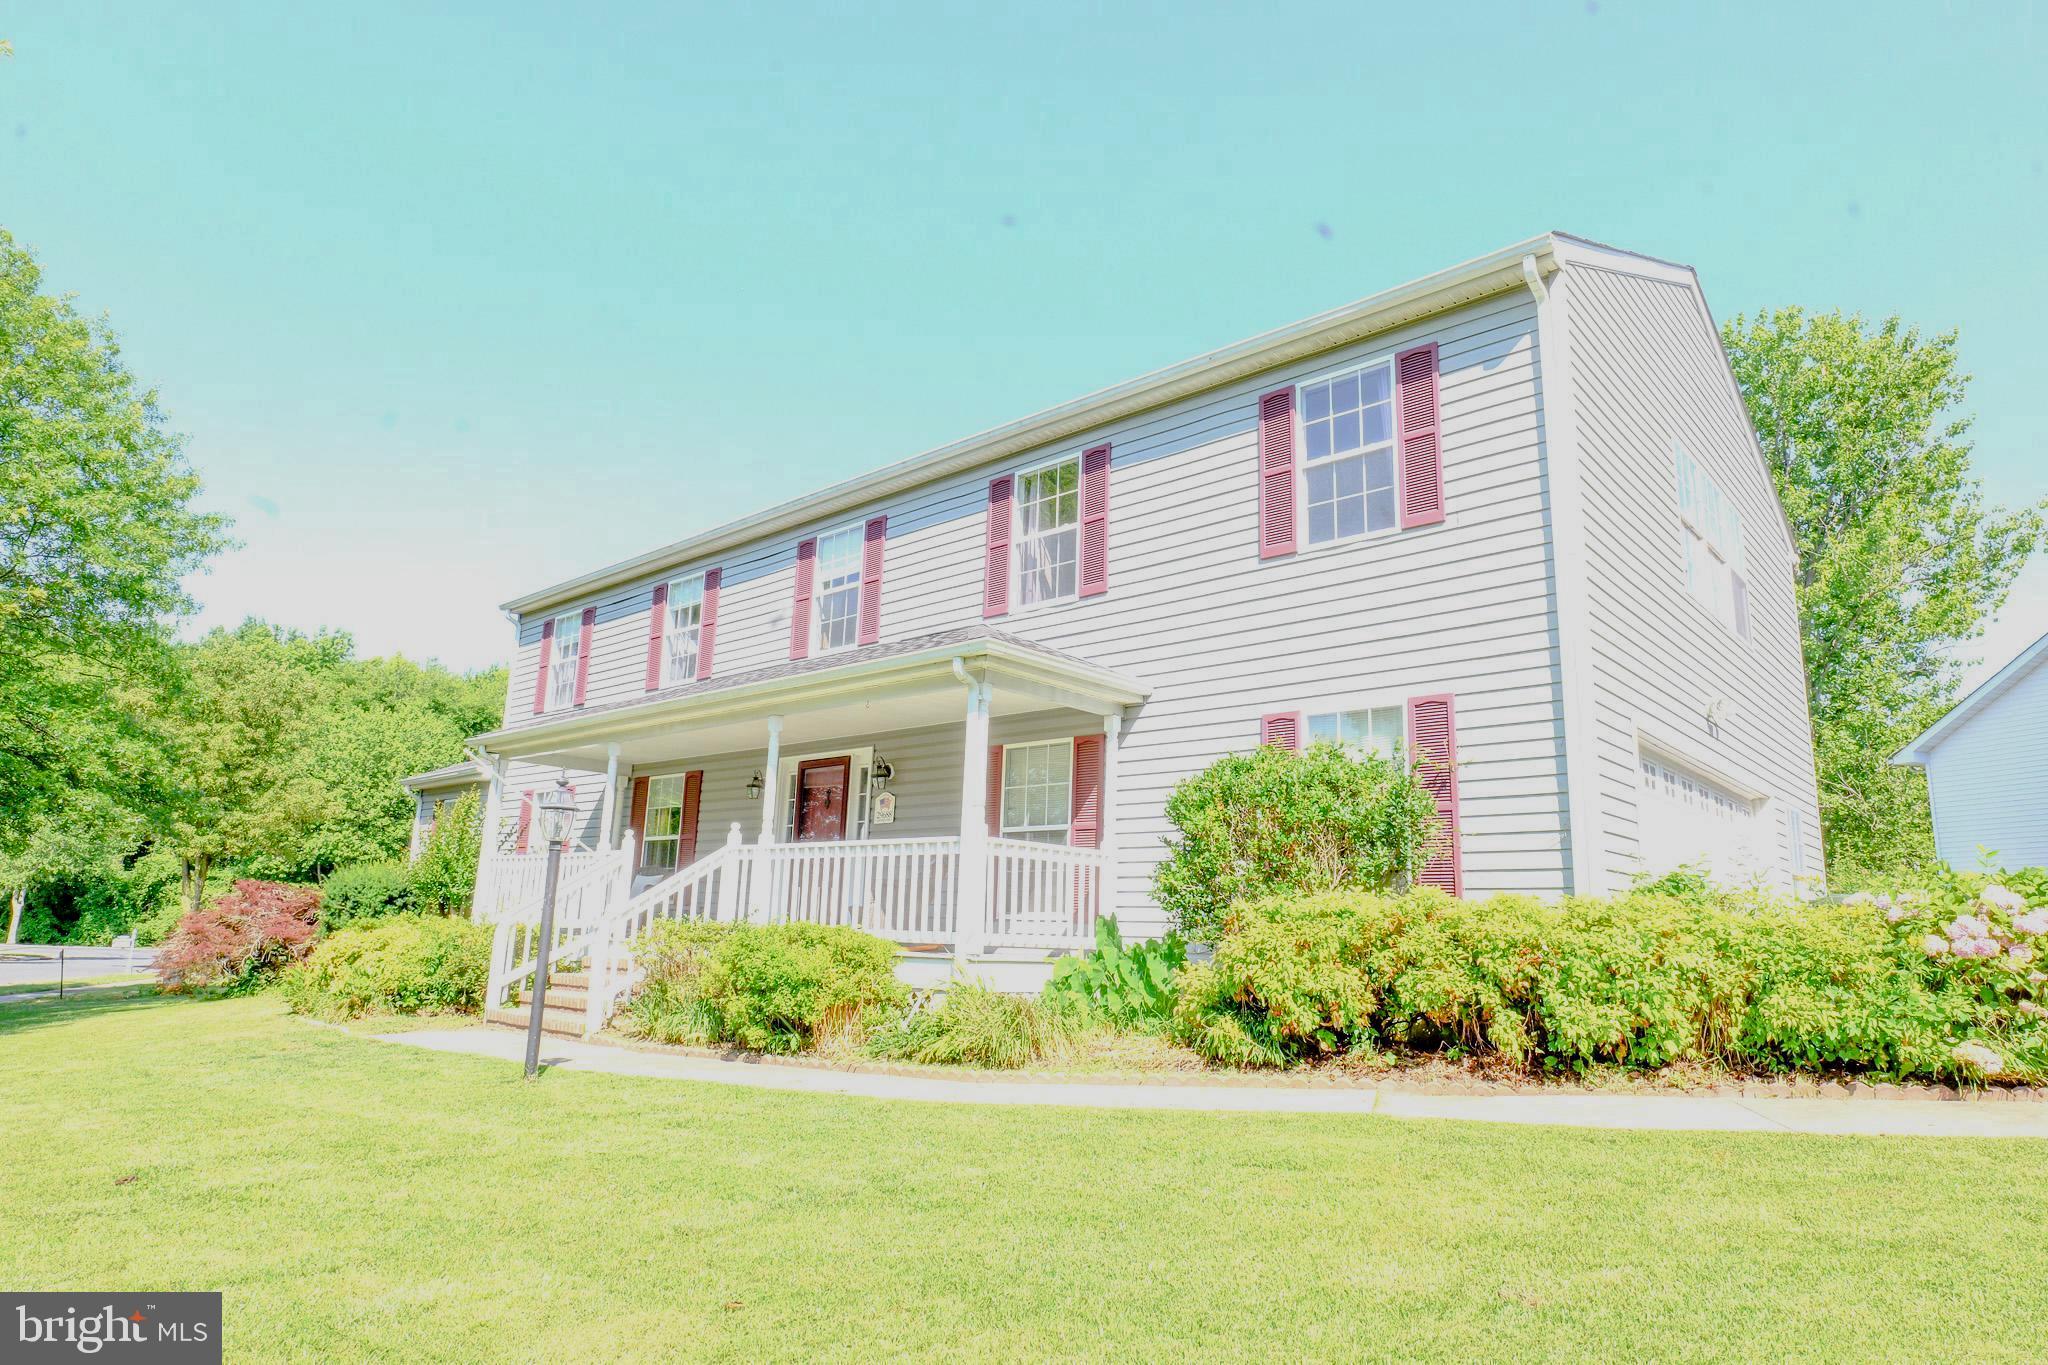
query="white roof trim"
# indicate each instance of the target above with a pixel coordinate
(1498, 272)
(1915, 755)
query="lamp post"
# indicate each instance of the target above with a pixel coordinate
(557, 809)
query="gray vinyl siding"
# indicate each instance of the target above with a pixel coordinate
(1986, 780)
(1221, 637)
(1648, 374)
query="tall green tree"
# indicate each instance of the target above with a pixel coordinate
(97, 527)
(1900, 558)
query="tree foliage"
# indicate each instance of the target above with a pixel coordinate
(1900, 558)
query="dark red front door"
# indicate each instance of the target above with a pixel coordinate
(821, 799)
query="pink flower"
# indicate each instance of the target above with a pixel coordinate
(2002, 897)
(1934, 945)
(1896, 913)
(2033, 922)
(1968, 927)
(1979, 1058)
(1984, 947)
(2020, 953)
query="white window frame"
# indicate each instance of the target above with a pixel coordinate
(1310, 710)
(681, 778)
(1006, 830)
(1017, 536)
(1696, 538)
(858, 530)
(1304, 544)
(671, 672)
(563, 655)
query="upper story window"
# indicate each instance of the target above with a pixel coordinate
(1712, 531)
(1347, 425)
(1038, 791)
(664, 834)
(1376, 730)
(1048, 538)
(837, 610)
(683, 630)
(568, 646)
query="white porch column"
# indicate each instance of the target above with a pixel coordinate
(608, 816)
(487, 856)
(771, 782)
(1112, 851)
(970, 934)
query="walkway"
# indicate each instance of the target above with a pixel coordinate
(1916, 1118)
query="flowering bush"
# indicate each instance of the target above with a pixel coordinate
(241, 939)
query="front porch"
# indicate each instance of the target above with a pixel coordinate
(957, 799)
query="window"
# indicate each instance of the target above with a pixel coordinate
(1380, 730)
(664, 828)
(1038, 791)
(1048, 532)
(681, 631)
(838, 590)
(1347, 428)
(568, 646)
(1713, 546)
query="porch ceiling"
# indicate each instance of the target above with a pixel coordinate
(863, 691)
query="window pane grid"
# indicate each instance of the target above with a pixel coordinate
(661, 841)
(1348, 466)
(1379, 730)
(1037, 791)
(568, 646)
(1048, 539)
(838, 593)
(685, 616)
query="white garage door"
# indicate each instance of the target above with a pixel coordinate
(1683, 818)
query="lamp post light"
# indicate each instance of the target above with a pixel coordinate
(557, 810)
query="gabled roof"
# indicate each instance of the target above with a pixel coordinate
(1915, 755)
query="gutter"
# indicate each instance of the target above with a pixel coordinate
(1483, 277)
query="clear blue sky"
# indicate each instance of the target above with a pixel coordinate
(453, 305)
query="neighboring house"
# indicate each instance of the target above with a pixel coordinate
(433, 791)
(1987, 768)
(1510, 518)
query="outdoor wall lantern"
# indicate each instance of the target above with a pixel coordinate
(754, 786)
(882, 771)
(557, 812)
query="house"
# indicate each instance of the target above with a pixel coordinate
(1987, 767)
(436, 791)
(1510, 517)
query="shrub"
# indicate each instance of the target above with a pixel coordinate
(1131, 988)
(240, 940)
(1939, 985)
(1270, 821)
(669, 1006)
(975, 1026)
(410, 964)
(444, 877)
(364, 891)
(775, 987)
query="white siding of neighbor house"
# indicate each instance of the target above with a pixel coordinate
(1988, 780)
(1220, 636)
(1648, 375)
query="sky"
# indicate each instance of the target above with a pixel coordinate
(455, 301)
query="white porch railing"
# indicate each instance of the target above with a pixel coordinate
(509, 883)
(1041, 896)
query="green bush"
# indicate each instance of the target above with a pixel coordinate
(669, 1006)
(1930, 986)
(774, 987)
(409, 964)
(362, 892)
(1272, 821)
(975, 1026)
(1130, 988)
(444, 876)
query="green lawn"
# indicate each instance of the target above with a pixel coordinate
(358, 1200)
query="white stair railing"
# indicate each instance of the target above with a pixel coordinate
(582, 899)
(711, 889)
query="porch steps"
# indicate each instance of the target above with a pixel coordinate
(568, 998)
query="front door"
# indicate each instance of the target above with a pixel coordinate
(821, 798)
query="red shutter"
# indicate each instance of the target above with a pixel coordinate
(1422, 467)
(1433, 743)
(707, 622)
(693, 794)
(1276, 473)
(636, 817)
(583, 653)
(995, 573)
(1281, 729)
(525, 822)
(657, 622)
(800, 604)
(871, 546)
(1095, 521)
(540, 675)
(1084, 830)
(995, 789)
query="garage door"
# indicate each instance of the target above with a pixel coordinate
(1684, 818)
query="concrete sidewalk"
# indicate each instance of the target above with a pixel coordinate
(1913, 1118)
